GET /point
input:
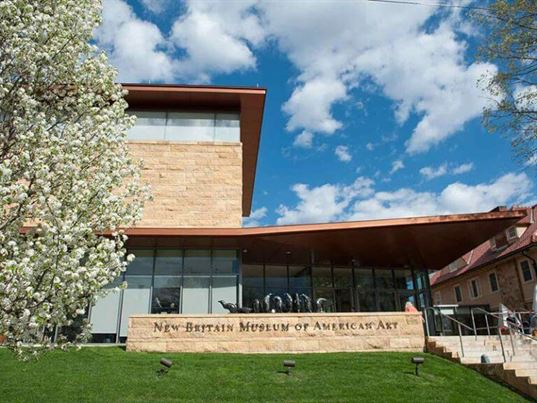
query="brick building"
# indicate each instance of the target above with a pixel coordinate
(501, 270)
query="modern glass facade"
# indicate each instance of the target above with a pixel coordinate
(162, 280)
(192, 281)
(348, 288)
(185, 126)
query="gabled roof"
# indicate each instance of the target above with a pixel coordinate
(249, 101)
(484, 254)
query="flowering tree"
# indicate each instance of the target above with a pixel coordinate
(67, 183)
(511, 42)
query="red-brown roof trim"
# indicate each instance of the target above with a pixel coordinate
(323, 227)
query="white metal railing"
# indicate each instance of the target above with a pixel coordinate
(444, 315)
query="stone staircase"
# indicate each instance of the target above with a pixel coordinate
(518, 371)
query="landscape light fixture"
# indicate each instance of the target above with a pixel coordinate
(418, 361)
(288, 364)
(167, 364)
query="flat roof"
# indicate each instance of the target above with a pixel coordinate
(426, 242)
(249, 101)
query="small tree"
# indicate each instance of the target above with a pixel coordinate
(510, 41)
(67, 183)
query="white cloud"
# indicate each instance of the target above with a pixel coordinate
(216, 37)
(155, 6)
(135, 47)
(423, 70)
(370, 146)
(463, 168)
(421, 67)
(323, 203)
(339, 202)
(431, 173)
(309, 105)
(445, 169)
(396, 166)
(304, 140)
(212, 36)
(342, 152)
(255, 217)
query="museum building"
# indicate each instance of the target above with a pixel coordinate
(200, 148)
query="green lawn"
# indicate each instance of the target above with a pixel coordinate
(112, 375)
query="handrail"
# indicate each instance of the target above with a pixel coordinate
(459, 324)
(510, 326)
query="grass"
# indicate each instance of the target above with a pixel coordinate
(109, 374)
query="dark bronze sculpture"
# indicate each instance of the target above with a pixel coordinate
(320, 303)
(275, 303)
(278, 305)
(232, 308)
(287, 302)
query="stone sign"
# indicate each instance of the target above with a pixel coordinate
(276, 333)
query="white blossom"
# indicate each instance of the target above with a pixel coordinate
(66, 179)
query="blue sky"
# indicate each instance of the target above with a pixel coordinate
(373, 110)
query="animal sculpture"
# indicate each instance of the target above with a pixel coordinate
(232, 308)
(256, 306)
(278, 304)
(320, 304)
(287, 302)
(306, 303)
(297, 304)
(266, 302)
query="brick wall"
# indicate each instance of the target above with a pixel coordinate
(194, 184)
(513, 291)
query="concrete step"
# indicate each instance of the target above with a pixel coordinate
(493, 359)
(477, 360)
(520, 365)
(526, 372)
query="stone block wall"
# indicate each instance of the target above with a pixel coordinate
(194, 184)
(277, 333)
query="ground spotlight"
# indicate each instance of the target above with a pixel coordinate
(418, 361)
(288, 364)
(167, 364)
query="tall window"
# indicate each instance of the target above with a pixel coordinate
(473, 285)
(185, 126)
(493, 281)
(458, 293)
(526, 271)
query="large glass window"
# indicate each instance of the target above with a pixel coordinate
(225, 261)
(197, 261)
(196, 294)
(150, 125)
(167, 283)
(299, 277)
(276, 279)
(224, 288)
(136, 298)
(185, 126)
(322, 277)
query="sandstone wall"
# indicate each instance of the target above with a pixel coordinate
(276, 333)
(194, 184)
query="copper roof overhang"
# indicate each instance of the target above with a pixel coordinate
(425, 242)
(250, 102)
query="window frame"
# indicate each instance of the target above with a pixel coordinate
(489, 274)
(478, 288)
(522, 271)
(455, 293)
